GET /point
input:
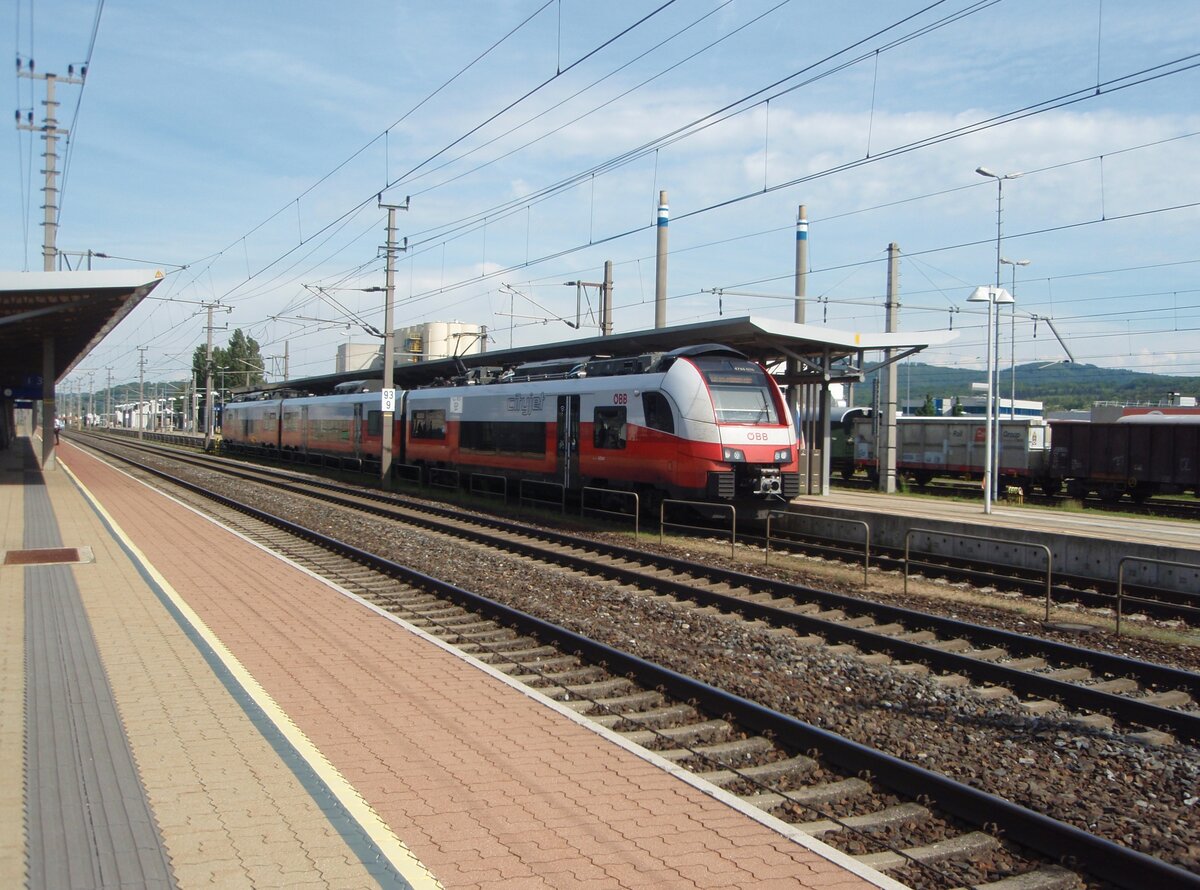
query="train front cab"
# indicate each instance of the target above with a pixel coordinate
(735, 428)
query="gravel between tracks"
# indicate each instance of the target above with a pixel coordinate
(1145, 797)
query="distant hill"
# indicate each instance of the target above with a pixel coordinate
(1059, 386)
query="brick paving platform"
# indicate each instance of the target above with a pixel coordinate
(287, 734)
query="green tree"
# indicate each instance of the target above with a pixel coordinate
(928, 409)
(241, 360)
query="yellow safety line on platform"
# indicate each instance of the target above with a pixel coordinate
(395, 850)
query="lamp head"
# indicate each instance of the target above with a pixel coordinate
(985, 294)
(984, 171)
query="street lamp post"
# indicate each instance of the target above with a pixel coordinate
(999, 177)
(1012, 404)
(993, 296)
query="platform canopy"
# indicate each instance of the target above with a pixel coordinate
(821, 354)
(75, 310)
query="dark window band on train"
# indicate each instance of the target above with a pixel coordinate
(509, 437)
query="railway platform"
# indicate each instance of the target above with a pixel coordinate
(179, 707)
(1087, 544)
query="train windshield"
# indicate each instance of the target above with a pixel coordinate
(740, 390)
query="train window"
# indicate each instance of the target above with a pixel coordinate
(513, 437)
(739, 390)
(374, 423)
(428, 424)
(658, 412)
(608, 428)
(743, 404)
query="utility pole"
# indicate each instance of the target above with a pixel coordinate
(208, 393)
(798, 400)
(108, 399)
(50, 132)
(141, 388)
(208, 377)
(660, 263)
(887, 456)
(606, 301)
(388, 405)
(605, 289)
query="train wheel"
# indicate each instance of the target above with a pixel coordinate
(1051, 487)
(1077, 489)
(922, 477)
(1110, 493)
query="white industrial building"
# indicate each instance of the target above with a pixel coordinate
(416, 343)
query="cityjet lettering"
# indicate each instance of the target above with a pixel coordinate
(526, 405)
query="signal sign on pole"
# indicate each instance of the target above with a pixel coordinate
(389, 401)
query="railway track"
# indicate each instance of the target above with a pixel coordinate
(1157, 603)
(1091, 593)
(916, 825)
(1044, 675)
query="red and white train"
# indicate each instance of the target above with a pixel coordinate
(699, 423)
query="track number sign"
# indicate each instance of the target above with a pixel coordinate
(389, 400)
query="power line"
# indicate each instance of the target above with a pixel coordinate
(979, 4)
(1120, 83)
(70, 147)
(388, 185)
(697, 125)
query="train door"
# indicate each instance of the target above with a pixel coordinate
(304, 429)
(568, 441)
(356, 431)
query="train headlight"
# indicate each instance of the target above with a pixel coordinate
(734, 454)
(783, 455)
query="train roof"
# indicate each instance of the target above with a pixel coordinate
(826, 352)
(1136, 419)
(1163, 419)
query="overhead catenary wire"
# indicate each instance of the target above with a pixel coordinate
(387, 186)
(1136, 78)
(295, 271)
(365, 201)
(74, 125)
(697, 125)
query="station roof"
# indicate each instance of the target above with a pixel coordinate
(74, 309)
(818, 349)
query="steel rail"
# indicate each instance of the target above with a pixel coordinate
(1072, 590)
(1184, 724)
(1058, 840)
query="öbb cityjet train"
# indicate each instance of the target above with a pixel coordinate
(698, 423)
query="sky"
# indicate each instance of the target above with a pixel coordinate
(242, 149)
